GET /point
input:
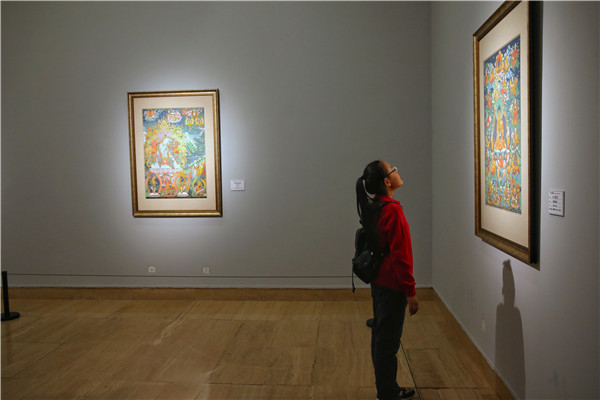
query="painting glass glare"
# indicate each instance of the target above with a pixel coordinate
(502, 132)
(174, 153)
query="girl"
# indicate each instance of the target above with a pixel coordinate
(394, 287)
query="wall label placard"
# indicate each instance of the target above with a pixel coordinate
(237, 185)
(556, 202)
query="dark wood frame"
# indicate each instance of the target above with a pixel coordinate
(501, 241)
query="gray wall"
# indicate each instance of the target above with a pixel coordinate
(541, 323)
(310, 93)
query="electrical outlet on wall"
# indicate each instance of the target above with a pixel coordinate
(151, 269)
(206, 270)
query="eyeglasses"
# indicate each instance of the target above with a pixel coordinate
(394, 169)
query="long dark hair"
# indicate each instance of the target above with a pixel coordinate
(371, 183)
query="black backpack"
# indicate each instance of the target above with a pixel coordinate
(366, 260)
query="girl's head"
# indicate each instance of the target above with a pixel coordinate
(378, 178)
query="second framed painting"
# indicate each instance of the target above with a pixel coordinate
(174, 144)
(503, 142)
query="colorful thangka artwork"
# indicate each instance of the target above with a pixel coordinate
(502, 114)
(175, 153)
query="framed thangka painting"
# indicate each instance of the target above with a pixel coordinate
(175, 153)
(501, 65)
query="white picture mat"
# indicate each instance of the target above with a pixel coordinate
(510, 225)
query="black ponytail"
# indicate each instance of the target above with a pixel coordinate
(371, 182)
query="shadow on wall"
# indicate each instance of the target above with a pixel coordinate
(510, 352)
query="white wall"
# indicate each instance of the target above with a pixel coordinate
(542, 325)
(310, 93)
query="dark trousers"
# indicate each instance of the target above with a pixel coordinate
(389, 307)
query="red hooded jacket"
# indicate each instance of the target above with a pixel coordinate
(396, 271)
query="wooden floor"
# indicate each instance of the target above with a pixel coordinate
(135, 344)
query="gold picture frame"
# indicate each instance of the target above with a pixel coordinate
(175, 153)
(502, 128)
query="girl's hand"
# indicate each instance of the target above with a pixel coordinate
(413, 305)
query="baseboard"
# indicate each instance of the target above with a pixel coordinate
(487, 359)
